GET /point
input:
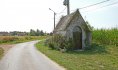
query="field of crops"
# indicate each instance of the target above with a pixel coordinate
(18, 39)
(106, 36)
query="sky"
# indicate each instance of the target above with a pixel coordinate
(23, 15)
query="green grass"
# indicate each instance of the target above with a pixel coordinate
(97, 57)
(1, 52)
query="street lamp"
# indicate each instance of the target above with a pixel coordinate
(54, 16)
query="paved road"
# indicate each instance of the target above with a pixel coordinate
(24, 56)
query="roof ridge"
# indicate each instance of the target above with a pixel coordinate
(65, 20)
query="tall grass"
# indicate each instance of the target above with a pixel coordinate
(106, 36)
(1, 52)
(18, 39)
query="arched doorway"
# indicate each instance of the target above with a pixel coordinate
(77, 38)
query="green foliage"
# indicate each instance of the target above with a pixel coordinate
(106, 36)
(69, 44)
(54, 42)
(32, 32)
(59, 42)
(36, 33)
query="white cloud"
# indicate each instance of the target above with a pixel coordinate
(23, 15)
(26, 14)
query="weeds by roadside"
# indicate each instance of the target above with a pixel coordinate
(98, 57)
(19, 39)
(1, 52)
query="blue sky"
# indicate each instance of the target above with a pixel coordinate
(98, 16)
(105, 17)
(23, 15)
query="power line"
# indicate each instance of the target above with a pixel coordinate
(91, 6)
(85, 6)
(61, 11)
(105, 6)
(94, 4)
(109, 4)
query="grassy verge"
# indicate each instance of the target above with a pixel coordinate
(1, 52)
(97, 58)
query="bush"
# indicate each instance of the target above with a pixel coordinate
(59, 42)
(51, 45)
(53, 42)
(69, 44)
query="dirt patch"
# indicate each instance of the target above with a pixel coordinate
(6, 47)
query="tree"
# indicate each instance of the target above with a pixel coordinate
(38, 32)
(32, 32)
(14, 33)
(42, 33)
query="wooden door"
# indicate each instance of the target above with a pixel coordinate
(77, 37)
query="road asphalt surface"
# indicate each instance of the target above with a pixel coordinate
(25, 56)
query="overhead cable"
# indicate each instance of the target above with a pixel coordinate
(94, 4)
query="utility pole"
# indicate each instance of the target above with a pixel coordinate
(68, 7)
(67, 3)
(54, 16)
(54, 19)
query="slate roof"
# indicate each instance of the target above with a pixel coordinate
(65, 20)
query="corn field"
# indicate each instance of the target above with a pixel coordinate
(106, 36)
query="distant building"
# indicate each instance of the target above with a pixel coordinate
(14, 33)
(17, 33)
(4, 33)
(73, 26)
